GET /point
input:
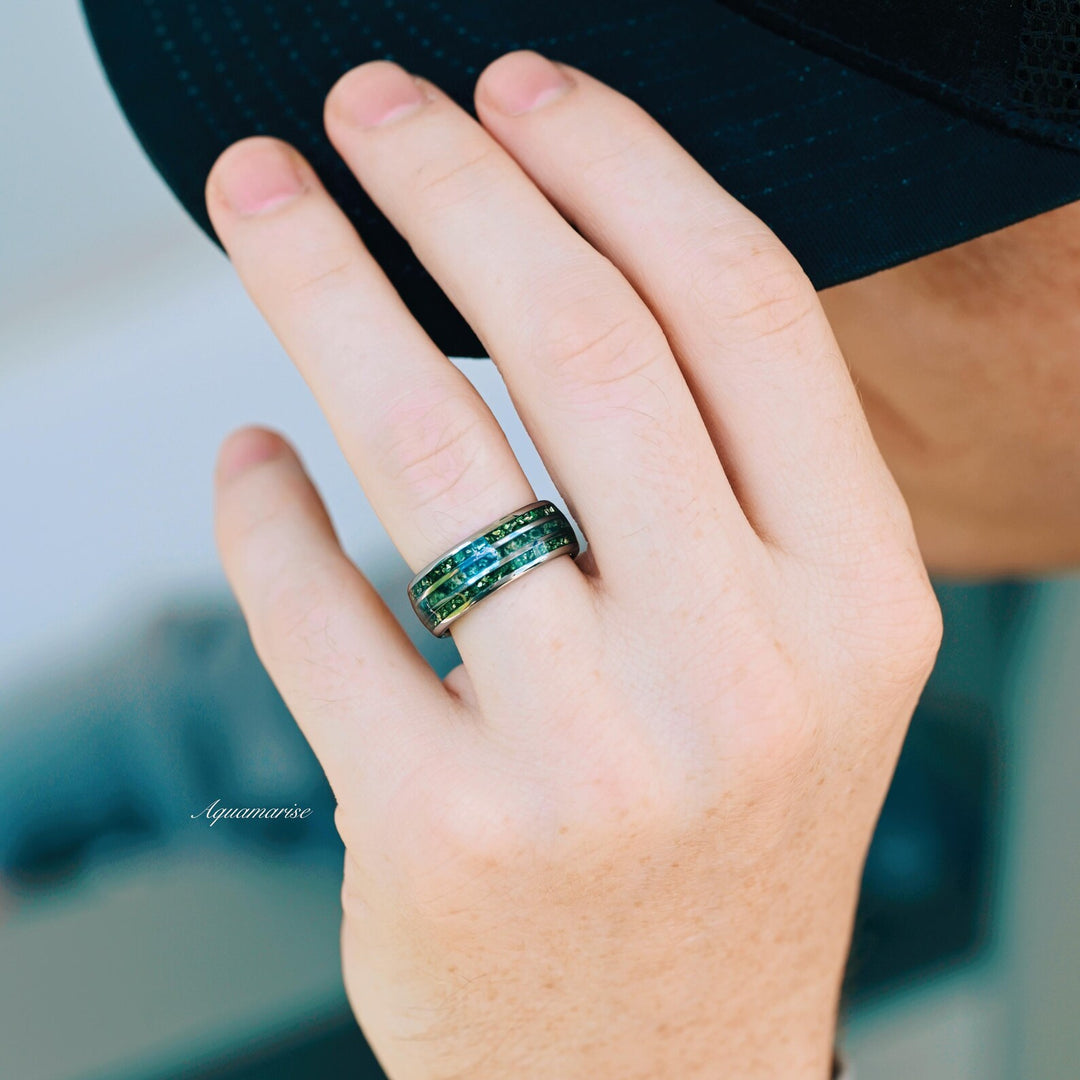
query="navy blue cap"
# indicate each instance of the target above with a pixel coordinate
(864, 132)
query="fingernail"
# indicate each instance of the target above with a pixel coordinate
(246, 448)
(377, 93)
(522, 82)
(258, 174)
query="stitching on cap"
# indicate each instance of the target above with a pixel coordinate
(861, 160)
(285, 40)
(809, 140)
(733, 93)
(411, 28)
(776, 114)
(194, 94)
(983, 150)
(325, 37)
(236, 23)
(198, 24)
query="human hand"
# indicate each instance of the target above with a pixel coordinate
(624, 838)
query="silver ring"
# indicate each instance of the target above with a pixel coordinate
(460, 578)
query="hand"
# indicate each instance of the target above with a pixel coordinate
(624, 838)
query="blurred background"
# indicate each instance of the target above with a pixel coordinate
(139, 943)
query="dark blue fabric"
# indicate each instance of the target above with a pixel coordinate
(1013, 63)
(853, 171)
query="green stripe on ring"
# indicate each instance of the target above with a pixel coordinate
(456, 581)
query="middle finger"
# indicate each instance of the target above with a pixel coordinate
(587, 365)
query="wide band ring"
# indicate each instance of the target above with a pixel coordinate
(458, 580)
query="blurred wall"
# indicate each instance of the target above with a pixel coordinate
(127, 351)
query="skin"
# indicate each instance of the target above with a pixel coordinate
(974, 390)
(624, 838)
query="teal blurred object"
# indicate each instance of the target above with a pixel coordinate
(928, 885)
(114, 756)
(335, 1049)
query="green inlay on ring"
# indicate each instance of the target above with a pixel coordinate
(476, 591)
(481, 544)
(446, 589)
(487, 559)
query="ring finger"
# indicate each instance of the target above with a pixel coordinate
(430, 456)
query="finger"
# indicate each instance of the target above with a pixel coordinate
(587, 365)
(432, 459)
(426, 449)
(742, 317)
(337, 655)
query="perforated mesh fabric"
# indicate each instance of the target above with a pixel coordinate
(1013, 63)
(1048, 66)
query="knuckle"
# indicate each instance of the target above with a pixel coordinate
(628, 146)
(300, 612)
(643, 787)
(900, 625)
(580, 349)
(921, 630)
(335, 275)
(473, 830)
(445, 184)
(310, 638)
(467, 844)
(432, 444)
(752, 288)
(297, 622)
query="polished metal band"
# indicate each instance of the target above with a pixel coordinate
(458, 580)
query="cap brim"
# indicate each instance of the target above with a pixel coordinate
(852, 173)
